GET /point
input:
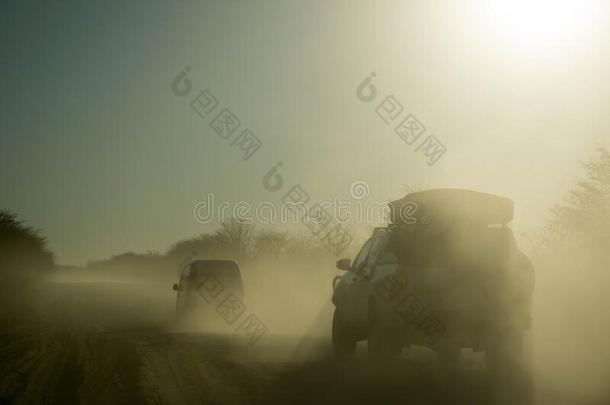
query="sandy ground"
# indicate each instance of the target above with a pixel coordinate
(112, 343)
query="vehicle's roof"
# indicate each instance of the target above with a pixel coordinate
(214, 264)
(231, 262)
(454, 204)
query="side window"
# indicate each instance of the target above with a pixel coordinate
(385, 255)
(387, 258)
(359, 261)
(186, 271)
(374, 251)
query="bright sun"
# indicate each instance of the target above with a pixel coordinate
(534, 26)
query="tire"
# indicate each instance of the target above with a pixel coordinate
(184, 308)
(379, 346)
(448, 360)
(180, 312)
(504, 356)
(343, 342)
(382, 344)
(509, 381)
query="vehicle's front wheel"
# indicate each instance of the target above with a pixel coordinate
(383, 344)
(448, 359)
(504, 354)
(504, 357)
(184, 309)
(344, 343)
(380, 346)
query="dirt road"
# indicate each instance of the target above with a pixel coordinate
(109, 343)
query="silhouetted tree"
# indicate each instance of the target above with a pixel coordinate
(23, 259)
(235, 237)
(233, 240)
(269, 243)
(196, 245)
(130, 263)
(22, 248)
(584, 217)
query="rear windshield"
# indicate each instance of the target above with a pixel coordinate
(214, 267)
(456, 247)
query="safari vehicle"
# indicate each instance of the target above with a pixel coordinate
(446, 273)
(201, 281)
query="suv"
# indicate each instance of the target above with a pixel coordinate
(201, 281)
(446, 274)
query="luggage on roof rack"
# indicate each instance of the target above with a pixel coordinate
(451, 206)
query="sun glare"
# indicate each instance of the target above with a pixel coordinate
(540, 26)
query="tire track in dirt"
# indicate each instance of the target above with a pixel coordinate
(195, 369)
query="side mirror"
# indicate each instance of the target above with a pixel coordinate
(176, 287)
(344, 264)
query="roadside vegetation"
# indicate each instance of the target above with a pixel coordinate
(24, 260)
(572, 259)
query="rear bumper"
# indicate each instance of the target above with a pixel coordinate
(432, 321)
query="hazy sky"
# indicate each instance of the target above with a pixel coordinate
(97, 151)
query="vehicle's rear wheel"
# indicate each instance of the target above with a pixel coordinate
(379, 345)
(180, 311)
(448, 359)
(504, 358)
(344, 343)
(185, 307)
(504, 353)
